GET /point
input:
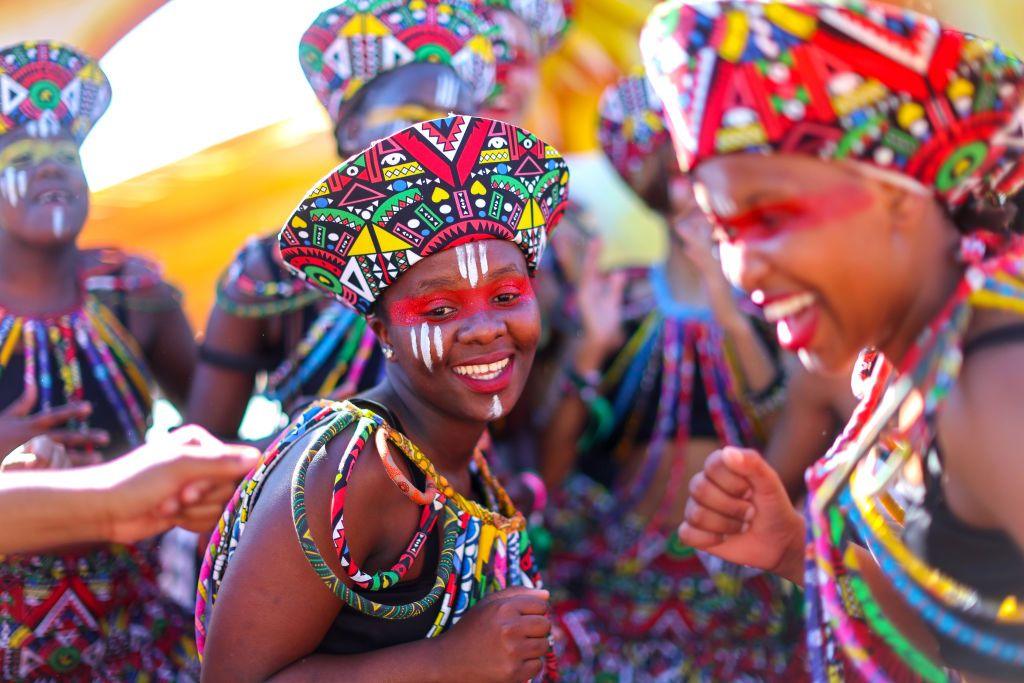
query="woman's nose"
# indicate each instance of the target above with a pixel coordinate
(744, 264)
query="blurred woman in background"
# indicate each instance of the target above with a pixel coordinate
(86, 337)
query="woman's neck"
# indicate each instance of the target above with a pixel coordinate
(35, 280)
(448, 442)
(930, 292)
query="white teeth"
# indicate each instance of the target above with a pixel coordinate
(484, 372)
(776, 311)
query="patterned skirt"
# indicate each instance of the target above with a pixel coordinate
(630, 607)
(98, 616)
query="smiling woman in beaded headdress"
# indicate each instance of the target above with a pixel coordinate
(377, 66)
(432, 235)
(82, 335)
(855, 158)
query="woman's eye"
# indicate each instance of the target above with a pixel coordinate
(507, 298)
(440, 311)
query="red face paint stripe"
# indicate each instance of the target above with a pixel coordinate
(466, 302)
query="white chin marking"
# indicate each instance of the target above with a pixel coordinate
(415, 347)
(425, 346)
(58, 221)
(483, 257)
(496, 408)
(438, 344)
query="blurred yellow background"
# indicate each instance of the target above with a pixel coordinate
(193, 213)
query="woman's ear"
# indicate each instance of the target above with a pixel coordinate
(908, 209)
(380, 330)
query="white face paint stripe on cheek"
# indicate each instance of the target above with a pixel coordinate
(22, 184)
(412, 339)
(438, 344)
(9, 190)
(425, 346)
(483, 257)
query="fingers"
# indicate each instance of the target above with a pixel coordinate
(23, 405)
(527, 600)
(705, 492)
(533, 648)
(723, 470)
(753, 468)
(706, 519)
(52, 418)
(192, 435)
(530, 670)
(698, 538)
(199, 518)
(77, 439)
(591, 268)
(225, 462)
(535, 626)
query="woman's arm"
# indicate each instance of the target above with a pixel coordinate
(182, 479)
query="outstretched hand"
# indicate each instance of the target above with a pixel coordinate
(18, 425)
(739, 511)
(601, 297)
(184, 479)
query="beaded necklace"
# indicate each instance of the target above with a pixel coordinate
(672, 342)
(89, 336)
(849, 502)
(483, 549)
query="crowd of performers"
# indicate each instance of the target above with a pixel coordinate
(567, 472)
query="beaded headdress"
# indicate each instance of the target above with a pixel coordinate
(548, 19)
(632, 124)
(430, 187)
(47, 87)
(348, 46)
(846, 79)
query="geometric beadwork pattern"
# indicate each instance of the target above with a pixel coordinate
(348, 46)
(850, 79)
(46, 87)
(632, 124)
(430, 187)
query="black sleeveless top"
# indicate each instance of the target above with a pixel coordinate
(356, 633)
(988, 560)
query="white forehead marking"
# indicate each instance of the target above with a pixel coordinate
(474, 275)
(483, 257)
(460, 254)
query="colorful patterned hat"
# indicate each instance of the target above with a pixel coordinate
(632, 124)
(549, 19)
(350, 45)
(431, 187)
(46, 87)
(851, 79)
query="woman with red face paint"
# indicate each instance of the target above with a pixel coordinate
(856, 159)
(432, 235)
(667, 369)
(85, 337)
(269, 330)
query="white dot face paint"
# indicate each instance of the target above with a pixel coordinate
(496, 408)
